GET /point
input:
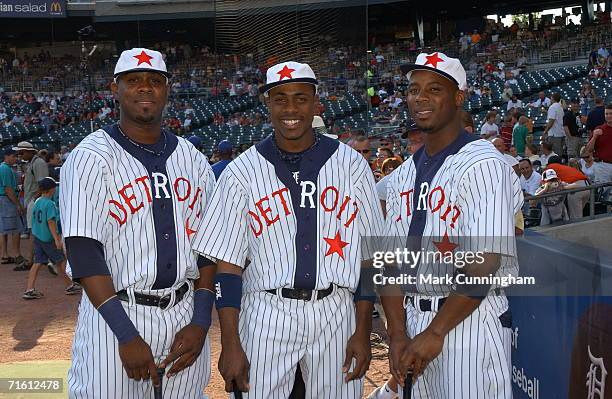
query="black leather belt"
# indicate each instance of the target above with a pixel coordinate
(299, 293)
(425, 304)
(154, 300)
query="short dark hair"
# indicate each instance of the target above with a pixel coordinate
(609, 106)
(548, 146)
(50, 156)
(556, 97)
(526, 160)
(554, 159)
(599, 101)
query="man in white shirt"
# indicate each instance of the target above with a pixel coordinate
(489, 129)
(547, 152)
(510, 160)
(514, 103)
(542, 101)
(554, 132)
(530, 181)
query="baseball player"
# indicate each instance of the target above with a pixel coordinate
(296, 205)
(131, 196)
(456, 193)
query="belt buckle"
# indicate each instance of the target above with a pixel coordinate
(171, 301)
(304, 295)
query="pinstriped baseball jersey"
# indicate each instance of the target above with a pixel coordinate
(142, 207)
(466, 195)
(302, 232)
(143, 210)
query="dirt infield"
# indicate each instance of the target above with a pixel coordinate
(36, 335)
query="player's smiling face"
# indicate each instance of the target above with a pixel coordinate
(142, 95)
(292, 108)
(433, 100)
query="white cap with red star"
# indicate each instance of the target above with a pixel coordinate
(441, 64)
(141, 60)
(288, 72)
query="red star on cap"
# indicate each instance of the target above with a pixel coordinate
(189, 231)
(335, 245)
(445, 246)
(433, 60)
(285, 73)
(143, 57)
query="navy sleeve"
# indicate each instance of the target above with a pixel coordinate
(86, 257)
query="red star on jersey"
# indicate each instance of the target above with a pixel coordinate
(189, 231)
(433, 60)
(285, 73)
(143, 57)
(335, 245)
(445, 246)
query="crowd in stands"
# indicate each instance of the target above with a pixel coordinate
(494, 55)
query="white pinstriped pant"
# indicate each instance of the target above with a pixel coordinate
(277, 333)
(97, 371)
(475, 359)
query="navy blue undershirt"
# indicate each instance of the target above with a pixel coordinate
(163, 213)
(307, 235)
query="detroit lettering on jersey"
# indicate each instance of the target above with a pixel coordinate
(115, 192)
(466, 190)
(303, 233)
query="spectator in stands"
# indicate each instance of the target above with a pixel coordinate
(547, 152)
(587, 98)
(187, 124)
(2, 113)
(507, 93)
(501, 147)
(530, 181)
(587, 162)
(603, 52)
(553, 208)
(389, 165)
(512, 151)
(468, 121)
(554, 132)
(597, 116)
(570, 125)
(519, 135)
(53, 164)
(571, 178)
(506, 130)
(361, 144)
(541, 102)
(489, 129)
(225, 149)
(382, 154)
(105, 112)
(514, 103)
(7, 122)
(601, 145)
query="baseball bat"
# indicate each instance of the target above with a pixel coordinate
(237, 393)
(407, 392)
(158, 391)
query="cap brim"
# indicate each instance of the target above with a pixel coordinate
(407, 68)
(166, 74)
(24, 149)
(265, 88)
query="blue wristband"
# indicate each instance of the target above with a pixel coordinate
(113, 313)
(365, 289)
(203, 300)
(228, 287)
